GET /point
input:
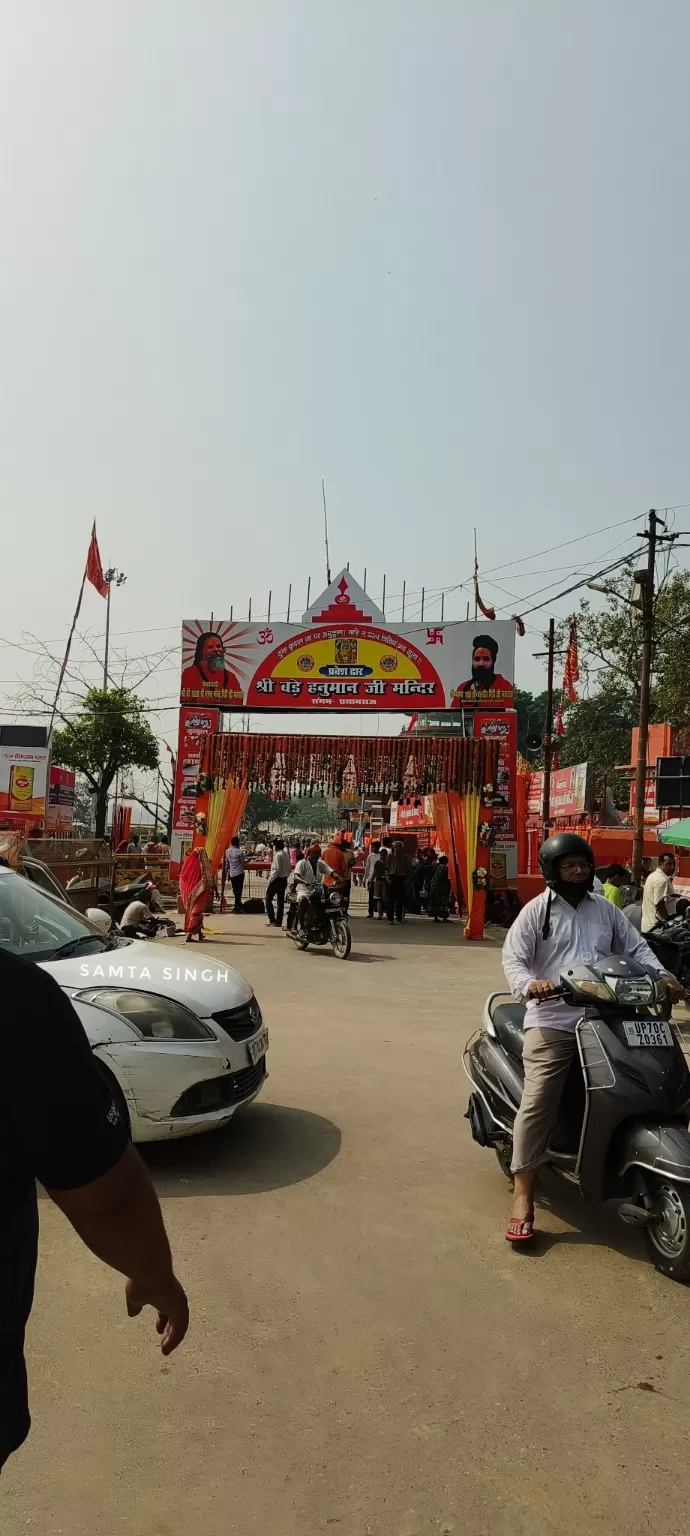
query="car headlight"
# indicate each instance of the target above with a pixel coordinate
(633, 990)
(153, 1017)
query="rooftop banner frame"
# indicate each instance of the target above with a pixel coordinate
(345, 655)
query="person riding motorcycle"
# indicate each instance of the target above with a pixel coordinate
(307, 874)
(566, 925)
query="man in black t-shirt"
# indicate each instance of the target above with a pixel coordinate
(59, 1124)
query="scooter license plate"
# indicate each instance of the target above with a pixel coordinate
(648, 1032)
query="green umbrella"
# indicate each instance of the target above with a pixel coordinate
(678, 833)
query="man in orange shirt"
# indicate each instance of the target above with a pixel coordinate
(334, 857)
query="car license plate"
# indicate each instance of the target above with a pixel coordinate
(259, 1047)
(648, 1032)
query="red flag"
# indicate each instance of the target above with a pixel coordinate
(489, 613)
(571, 674)
(558, 726)
(94, 569)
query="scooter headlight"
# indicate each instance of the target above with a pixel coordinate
(599, 989)
(634, 991)
(335, 899)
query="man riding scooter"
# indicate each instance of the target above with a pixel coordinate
(565, 926)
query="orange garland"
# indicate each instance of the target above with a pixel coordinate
(294, 766)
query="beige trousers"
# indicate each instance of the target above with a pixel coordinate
(546, 1058)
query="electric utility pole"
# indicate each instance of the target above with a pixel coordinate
(548, 733)
(646, 605)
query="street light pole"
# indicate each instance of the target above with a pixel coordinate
(110, 576)
(647, 605)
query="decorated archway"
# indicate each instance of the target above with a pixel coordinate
(344, 655)
(459, 774)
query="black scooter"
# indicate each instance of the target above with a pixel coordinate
(325, 922)
(622, 1129)
(671, 944)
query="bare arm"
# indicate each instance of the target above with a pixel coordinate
(119, 1218)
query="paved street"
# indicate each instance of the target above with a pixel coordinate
(367, 1356)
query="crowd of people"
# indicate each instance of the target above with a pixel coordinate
(648, 906)
(395, 883)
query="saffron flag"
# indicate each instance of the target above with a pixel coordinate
(571, 674)
(488, 612)
(94, 569)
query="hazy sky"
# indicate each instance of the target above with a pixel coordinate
(436, 252)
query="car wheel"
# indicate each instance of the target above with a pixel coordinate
(118, 1096)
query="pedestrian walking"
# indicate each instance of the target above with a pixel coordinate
(369, 868)
(277, 884)
(381, 883)
(439, 899)
(233, 870)
(196, 885)
(398, 871)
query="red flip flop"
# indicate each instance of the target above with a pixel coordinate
(520, 1237)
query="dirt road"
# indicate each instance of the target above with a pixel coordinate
(367, 1355)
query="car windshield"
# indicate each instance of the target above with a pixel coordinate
(36, 926)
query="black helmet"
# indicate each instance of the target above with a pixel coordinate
(559, 847)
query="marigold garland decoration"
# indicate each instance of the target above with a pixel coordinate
(295, 766)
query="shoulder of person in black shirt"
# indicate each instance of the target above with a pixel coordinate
(59, 1124)
(54, 1103)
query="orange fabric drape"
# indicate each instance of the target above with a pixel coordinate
(456, 818)
(224, 814)
(450, 838)
(474, 927)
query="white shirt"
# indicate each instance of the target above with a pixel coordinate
(597, 886)
(137, 912)
(578, 936)
(369, 868)
(304, 877)
(657, 887)
(280, 868)
(234, 862)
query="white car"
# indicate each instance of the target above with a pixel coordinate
(177, 1033)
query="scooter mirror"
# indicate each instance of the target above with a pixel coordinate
(99, 918)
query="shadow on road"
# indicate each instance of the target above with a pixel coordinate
(595, 1226)
(267, 1146)
(414, 930)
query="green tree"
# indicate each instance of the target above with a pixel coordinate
(110, 733)
(598, 732)
(311, 811)
(610, 645)
(259, 809)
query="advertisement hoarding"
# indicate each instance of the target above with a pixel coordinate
(194, 724)
(23, 779)
(409, 814)
(571, 791)
(344, 655)
(60, 808)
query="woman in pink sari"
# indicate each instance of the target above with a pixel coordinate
(196, 881)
